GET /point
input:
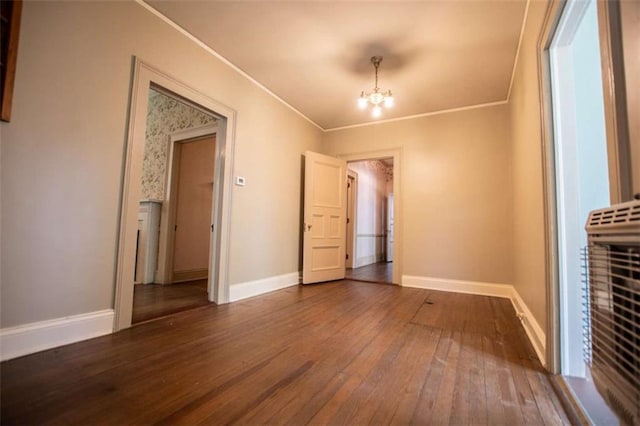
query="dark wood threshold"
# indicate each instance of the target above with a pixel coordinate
(173, 313)
(379, 272)
(153, 301)
(369, 281)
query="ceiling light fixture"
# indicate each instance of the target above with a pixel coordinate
(375, 98)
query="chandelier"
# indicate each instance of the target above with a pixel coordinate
(375, 98)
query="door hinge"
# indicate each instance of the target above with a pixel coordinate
(175, 227)
(347, 256)
(211, 227)
(348, 220)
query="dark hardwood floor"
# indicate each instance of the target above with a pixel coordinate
(381, 272)
(152, 301)
(337, 353)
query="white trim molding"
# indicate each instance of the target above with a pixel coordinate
(425, 114)
(262, 286)
(144, 77)
(39, 336)
(534, 332)
(457, 286)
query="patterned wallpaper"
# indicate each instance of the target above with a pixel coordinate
(165, 115)
(382, 167)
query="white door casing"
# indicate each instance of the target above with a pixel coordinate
(144, 76)
(390, 228)
(352, 185)
(325, 199)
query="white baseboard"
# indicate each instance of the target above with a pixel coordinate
(29, 338)
(532, 328)
(457, 286)
(265, 285)
(534, 331)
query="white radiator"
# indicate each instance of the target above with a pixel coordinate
(613, 306)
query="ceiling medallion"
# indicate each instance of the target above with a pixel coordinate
(376, 98)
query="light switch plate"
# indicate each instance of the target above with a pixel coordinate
(240, 181)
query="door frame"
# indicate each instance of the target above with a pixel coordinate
(569, 184)
(389, 210)
(144, 77)
(352, 213)
(617, 149)
(164, 273)
(396, 154)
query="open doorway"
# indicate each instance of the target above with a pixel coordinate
(173, 247)
(137, 176)
(370, 213)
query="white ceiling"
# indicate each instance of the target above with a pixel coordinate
(315, 55)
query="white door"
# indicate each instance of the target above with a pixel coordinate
(390, 228)
(325, 199)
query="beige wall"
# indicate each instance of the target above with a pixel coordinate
(456, 190)
(62, 156)
(528, 213)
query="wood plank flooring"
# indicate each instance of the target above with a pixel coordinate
(381, 272)
(337, 353)
(152, 301)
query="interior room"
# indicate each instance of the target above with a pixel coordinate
(175, 209)
(450, 150)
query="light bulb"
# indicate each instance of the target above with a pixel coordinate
(388, 101)
(362, 101)
(376, 98)
(376, 111)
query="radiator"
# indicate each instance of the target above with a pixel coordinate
(613, 306)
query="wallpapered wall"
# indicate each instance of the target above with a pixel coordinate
(165, 115)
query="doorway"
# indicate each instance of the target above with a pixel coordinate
(180, 281)
(136, 176)
(370, 220)
(177, 182)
